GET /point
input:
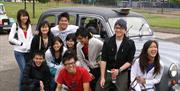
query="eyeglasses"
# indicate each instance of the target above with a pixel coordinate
(117, 27)
(69, 64)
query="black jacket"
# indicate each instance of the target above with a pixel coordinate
(125, 53)
(32, 76)
(36, 43)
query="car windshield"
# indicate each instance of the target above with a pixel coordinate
(136, 26)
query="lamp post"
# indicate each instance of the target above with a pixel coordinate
(25, 4)
(33, 9)
(162, 6)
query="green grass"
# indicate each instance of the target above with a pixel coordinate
(13, 7)
(166, 20)
(162, 21)
(155, 20)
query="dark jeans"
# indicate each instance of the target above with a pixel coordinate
(120, 85)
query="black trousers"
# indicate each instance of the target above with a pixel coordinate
(96, 73)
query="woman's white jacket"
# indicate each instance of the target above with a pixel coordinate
(150, 79)
(25, 47)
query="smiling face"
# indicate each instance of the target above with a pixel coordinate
(70, 65)
(38, 60)
(119, 31)
(23, 19)
(44, 29)
(152, 50)
(83, 40)
(70, 43)
(63, 23)
(57, 45)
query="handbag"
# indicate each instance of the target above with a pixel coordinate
(15, 35)
(131, 87)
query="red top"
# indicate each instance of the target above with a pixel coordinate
(25, 34)
(85, 51)
(74, 82)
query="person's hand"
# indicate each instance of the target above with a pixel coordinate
(141, 80)
(41, 86)
(102, 82)
(115, 72)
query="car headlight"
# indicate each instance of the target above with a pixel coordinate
(173, 70)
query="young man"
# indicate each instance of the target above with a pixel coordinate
(63, 29)
(117, 54)
(74, 77)
(88, 53)
(36, 76)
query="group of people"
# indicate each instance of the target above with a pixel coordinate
(68, 58)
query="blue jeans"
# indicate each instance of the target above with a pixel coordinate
(21, 59)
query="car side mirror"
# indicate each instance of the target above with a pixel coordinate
(103, 34)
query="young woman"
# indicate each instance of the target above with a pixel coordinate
(36, 75)
(43, 40)
(53, 57)
(21, 29)
(71, 41)
(147, 70)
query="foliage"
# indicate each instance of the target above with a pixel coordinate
(43, 1)
(175, 1)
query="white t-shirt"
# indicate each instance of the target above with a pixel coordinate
(63, 34)
(118, 43)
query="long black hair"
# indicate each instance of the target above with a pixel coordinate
(81, 31)
(143, 58)
(72, 37)
(60, 50)
(42, 24)
(23, 12)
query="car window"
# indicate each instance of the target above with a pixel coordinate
(51, 19)
(91, 23)
(94, 25)
(72, 20)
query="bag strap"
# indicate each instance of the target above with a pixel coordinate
(136, 84)
(144, 87)
(17, 30)
(16, 26)
(39, 43)
(132, 88)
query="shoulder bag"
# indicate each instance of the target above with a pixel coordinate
(15, 35)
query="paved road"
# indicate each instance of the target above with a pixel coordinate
(9, 72)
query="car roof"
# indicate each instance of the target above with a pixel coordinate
(105, 12)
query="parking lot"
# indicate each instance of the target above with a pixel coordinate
(9, 72)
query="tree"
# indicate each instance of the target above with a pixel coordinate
(43, 1)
